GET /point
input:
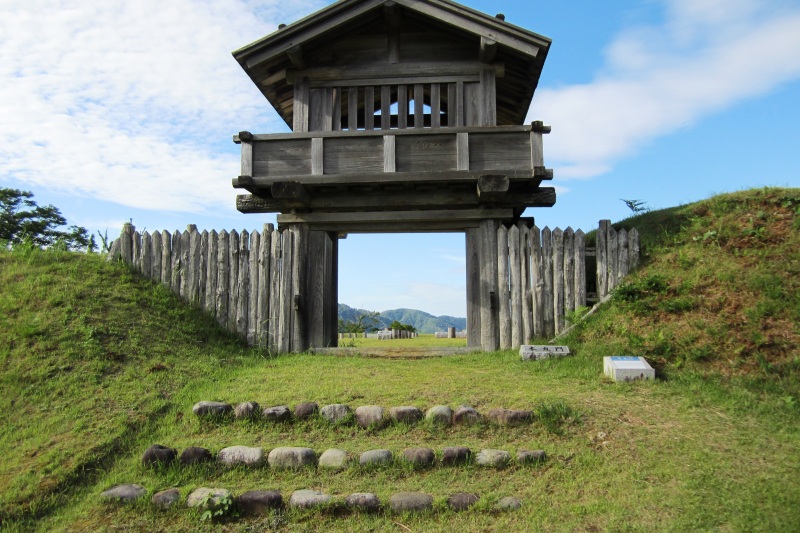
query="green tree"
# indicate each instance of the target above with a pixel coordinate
(363, 322)
(22, 220)
(402, 327)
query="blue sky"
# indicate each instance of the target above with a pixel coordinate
(120, 110)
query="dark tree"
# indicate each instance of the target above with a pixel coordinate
(22, 220)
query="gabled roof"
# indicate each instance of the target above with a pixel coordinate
(268, 60)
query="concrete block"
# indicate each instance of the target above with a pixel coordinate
(530, 352)
(627, 368)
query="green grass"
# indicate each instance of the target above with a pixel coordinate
(422, 341)
(97, 365)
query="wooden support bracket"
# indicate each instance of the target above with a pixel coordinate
(492, 187)
(295, 54)
(244, 136)
(488, 50)
(543, 173)
(539, 127)
(292, 193)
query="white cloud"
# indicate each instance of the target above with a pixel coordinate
(131, 102)
(707, 56)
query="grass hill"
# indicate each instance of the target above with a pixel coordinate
(97, 364)
(424, 322)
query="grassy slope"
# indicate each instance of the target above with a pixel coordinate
(97, 362)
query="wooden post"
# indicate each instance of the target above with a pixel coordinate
(529, 256)
(299, 287)
(558, 280)
(136, 247)
(503, 284)
(175, 281)
(166, 258)
(233, 279)
(186, 265)
(146, 255)
(202, 271)
(264, 286)
(489, 291)
(286, 311)
(601, 253)
(212, 264)
(194, 266)
(275, 268)
(155, 267)
(473, 289)
(580, 269)
(517, 294)
(547, 289)
(223, 277)
(622, 254)
(612, 243)
(633, 249)
(569, 270)
(126, 243)
(242, 282)
(254, 288)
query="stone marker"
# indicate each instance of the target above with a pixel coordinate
(292, 457)
(336, 413)
(124, 493)
(410, 501)
(259, 502)
(461, 501)
(627, 368)
(363, 501)
(493, 458)
(508, 503)
(246, 410)
(455, 455)
(369, 415)
(159, 455)
(207, 499)
(194, 455)
(241, 455)
(305, 410)
(531, 456)
(440, 415)
(206, 409)
(166, 498)
(510, 417)
(419, 456)
(279, 413)
(305, 499)
(529, 352)
(405, 414)
(375, 457)
(466, 416)
(333, 459)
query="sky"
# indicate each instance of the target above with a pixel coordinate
(117, 111)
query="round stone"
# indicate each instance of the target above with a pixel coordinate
(419, 456)
(159, 455)
(305, 499)
(375, 457)
(259, 502)
(292, 457)
(493, 458)
(461, 501)
(508, 503)
(208, 499)
(510, 417)
(241, 455)
(466, 415)
(440, 415)
(207, 409)
(124, 493)
(166, 498)
(279, 413)
(336, 413)
(246, 410)
(363, 501)
(410, 501)
(405, 414)
(455, 455)
(305, 410)
(333, 459)
(531, 456)
(195, 455)
(369, 415)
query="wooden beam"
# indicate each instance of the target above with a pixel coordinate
(345, 134)
(381, 178)
(412, 70)
(488, 50)
(396, 221)
(295, 54)
(293, 194)
(348, 201)
(493, 187)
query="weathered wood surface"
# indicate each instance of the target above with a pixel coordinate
(266, 287)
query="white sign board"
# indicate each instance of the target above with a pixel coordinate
(530, 352)
(627, 368)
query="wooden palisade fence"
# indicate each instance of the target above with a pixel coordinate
(250, 281)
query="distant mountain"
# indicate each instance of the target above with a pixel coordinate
(424, 322)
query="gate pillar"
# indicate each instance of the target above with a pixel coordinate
(483, 315)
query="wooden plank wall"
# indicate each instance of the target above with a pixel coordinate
(252, 283)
